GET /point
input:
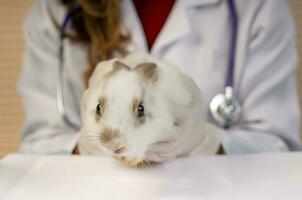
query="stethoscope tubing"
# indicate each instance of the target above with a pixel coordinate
(60, 76)
(233, 43)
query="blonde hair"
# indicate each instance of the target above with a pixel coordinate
(97, 24)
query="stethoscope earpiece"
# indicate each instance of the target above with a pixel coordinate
(224, 108)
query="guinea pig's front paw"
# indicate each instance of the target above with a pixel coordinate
(134, 162)
(128, 162)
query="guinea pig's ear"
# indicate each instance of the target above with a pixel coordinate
(99, 73)
(117, 65)
(148, 71)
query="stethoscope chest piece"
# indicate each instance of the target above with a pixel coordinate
(224, 108)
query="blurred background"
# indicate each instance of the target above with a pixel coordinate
(12, 14)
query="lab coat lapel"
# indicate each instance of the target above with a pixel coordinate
(131, 24)
(177, 25)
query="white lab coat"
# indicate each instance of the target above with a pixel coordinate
(195, 37)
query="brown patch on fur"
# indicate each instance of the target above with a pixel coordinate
(135, 104)
(108, 135)
(117, 66)
(102, 102)
(177, 122)
(148, 71)
(97, 117)
(141, 120)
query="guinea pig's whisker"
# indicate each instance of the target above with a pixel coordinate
(147, 164)
(150, 166)
(143, 165)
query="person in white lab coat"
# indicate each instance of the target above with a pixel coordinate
(195, 37)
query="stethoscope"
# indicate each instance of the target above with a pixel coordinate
(224, 107)
(60, 76)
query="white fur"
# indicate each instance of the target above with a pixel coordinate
(174, 96)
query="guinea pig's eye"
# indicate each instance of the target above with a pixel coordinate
(140, 110)
(98, 109)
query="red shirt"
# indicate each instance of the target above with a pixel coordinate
(153, 14)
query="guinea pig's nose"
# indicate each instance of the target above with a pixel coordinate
(108, 135)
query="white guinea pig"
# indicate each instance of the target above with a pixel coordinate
(141, 109)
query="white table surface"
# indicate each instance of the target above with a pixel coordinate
(265, 176)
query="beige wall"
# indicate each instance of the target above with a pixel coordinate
(12, 13)
(11, 16)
